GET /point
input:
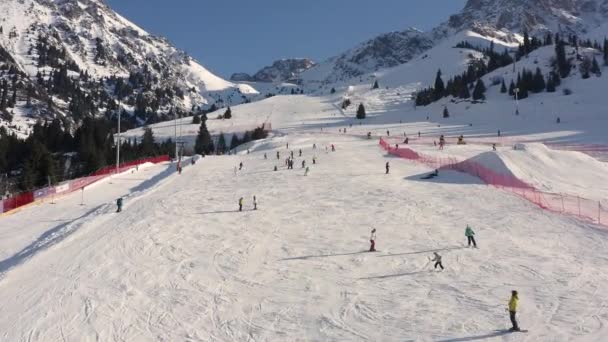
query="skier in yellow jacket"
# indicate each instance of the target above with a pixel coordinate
(513, 309)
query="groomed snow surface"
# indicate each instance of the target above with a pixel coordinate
(180, 263)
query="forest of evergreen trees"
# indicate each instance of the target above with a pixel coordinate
(469, 84)
(42, 157)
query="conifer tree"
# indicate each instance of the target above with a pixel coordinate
(361, 112)
(147, 146)
(234, 142)
(512, 88)
(464, 92)
(479, 91)
(538, 82)
(196, 120)
(228, 113)
(221, 144)
(503, 86)
(204, 143)
(376, 85)
(439, 86)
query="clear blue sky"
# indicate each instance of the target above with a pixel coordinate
(244, 35)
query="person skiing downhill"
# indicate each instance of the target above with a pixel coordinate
(240, 166)
(300, 152)
(513, 310)
(241, 204)
(372, 241)
(437, 260)
(255, 203)
(278, 155)
(303, 163)
(314, 160)
(470, 234)
(265, 156)
(119, 205)
(387, 168)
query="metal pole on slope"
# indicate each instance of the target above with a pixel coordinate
(118, 142)
(516, 90)
(175, 119)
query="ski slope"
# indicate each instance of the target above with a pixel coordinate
(181, 263)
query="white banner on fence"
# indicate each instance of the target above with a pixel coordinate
(62, 188)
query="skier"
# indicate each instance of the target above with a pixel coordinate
(288, 146)
(333, 148)
(300, 152)
(493, 147)
(558, 120)
(418, 134)
(314, 146)
(387, 167)
(265, 156)
(498, 132)
(291, 154)
(437, 260)
(240, 166)
(255, 203)
(314, 160)
(119, 205)
(276, 168)
(441, 142)
(396, 146)
(241, 204)
(303, 163)
(470, 234)
(372, 241)
(388, 134)
(306, 171)
(406, 141)
(278, 155)
(513, 310)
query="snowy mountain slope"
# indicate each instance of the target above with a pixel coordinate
(283, 70)
(294, 270)
(88, 37)
(501, 20)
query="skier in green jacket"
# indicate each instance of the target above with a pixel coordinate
(470, 234)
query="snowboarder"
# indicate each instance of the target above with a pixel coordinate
(372, 241)
(437, 260)
(513, 310)
(119, 205)
(241, 204)
(406, 141)
(255, 203)
(470, 234)
(240, 166)
(493, 147)
(387, 167)
(306, 171)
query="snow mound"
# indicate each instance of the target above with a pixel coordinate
(550, 170)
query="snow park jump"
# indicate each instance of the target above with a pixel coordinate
(384, 203)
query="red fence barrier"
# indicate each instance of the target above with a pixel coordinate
(582, 208)
(66, 187)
